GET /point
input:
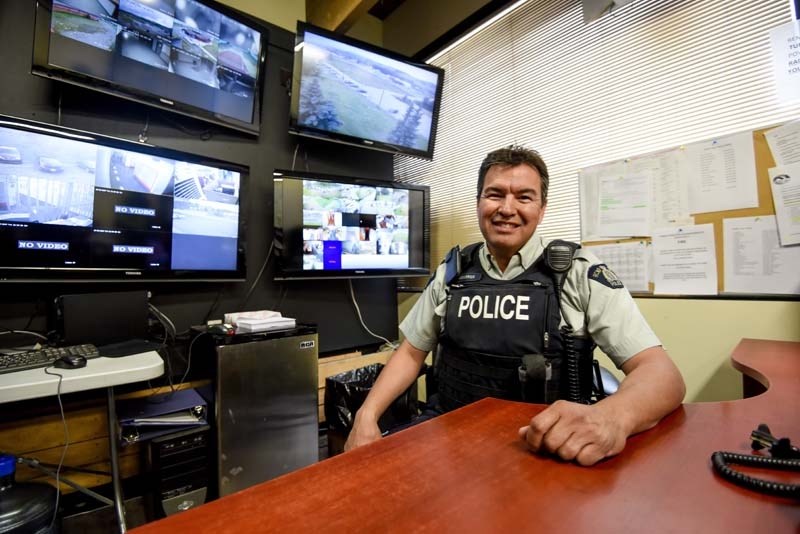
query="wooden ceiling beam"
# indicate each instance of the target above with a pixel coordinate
(337, 15)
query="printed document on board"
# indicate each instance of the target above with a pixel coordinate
(589, 179)
(784, 143)
(629, 261)
(624, 204)
(785, 184)
(684, 261)
(722, 173)
(670, 187)
(754, 260)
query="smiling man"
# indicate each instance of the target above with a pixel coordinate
(517, 317)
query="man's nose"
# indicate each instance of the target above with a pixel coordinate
(508, 205)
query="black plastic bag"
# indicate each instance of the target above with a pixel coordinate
(345, 393)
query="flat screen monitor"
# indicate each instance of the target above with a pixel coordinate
(194, 57)
(330, 226)
(348, 91)
(76, 206)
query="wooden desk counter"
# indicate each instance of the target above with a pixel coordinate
(467, 471)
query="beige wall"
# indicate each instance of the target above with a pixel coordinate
(286, 13)
(368, 29)
(700, 336)
(411, 27)
(283, 13)
(417, 23)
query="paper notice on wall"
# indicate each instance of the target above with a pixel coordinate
(785, 184)
(784, 141)
(754, 260)
(785, 41)
(590, 179)
(722, 173)
(684, 261)
(624, 208)
(629, 261)
(669, 186)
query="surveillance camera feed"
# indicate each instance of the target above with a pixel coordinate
(71, 204)
(176, 49)
(348, 226)
(351, 91)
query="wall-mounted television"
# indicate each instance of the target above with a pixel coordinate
(194, 57)
(329, 226)
(351, 92)
(76, 206)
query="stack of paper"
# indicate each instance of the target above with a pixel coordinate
(259, 321)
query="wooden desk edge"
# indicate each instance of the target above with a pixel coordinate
(773, 364)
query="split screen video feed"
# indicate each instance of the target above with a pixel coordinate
(73, 204)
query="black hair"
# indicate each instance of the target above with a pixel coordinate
(511, 156)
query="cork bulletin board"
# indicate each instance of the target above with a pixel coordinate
(764, 160)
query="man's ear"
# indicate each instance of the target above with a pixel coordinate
(541, 214)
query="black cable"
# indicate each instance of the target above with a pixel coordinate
(572, 358)
(213, 306)
(558, 257)
(33, 315)
(203, 135)
(26, 332)
(258, 276)
(66, 444)
(391, 344)
(169, 327)
(284, 291)
(188, 365)
(143, 133)
(36, 464)
(721, 459)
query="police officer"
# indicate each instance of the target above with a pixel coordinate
(505, 310)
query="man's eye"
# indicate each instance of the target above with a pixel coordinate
(526, 198)
(492, 196)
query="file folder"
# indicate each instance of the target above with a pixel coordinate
(145, 418)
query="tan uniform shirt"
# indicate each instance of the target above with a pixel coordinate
(609, 315)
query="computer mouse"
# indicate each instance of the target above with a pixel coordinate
(70, 361)
(221, 329)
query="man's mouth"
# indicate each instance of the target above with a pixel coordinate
(504, 225)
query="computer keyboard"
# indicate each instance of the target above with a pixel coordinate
(33, 359)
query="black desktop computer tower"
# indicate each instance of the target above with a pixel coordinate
(178, 471)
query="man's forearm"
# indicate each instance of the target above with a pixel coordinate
(400, 372)
(652, 388)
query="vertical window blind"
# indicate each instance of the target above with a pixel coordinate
(654, 74)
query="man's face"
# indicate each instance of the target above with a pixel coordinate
(509, 209)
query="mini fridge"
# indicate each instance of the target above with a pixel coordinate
(265, 406)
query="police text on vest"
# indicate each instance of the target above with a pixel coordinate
(503, 307)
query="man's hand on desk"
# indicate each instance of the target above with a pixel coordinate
(652, 388)
(363, 432)
(585, 434)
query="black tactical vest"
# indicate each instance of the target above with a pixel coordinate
(501, 339)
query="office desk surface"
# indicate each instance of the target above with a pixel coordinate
(98, 373)
(467, 471)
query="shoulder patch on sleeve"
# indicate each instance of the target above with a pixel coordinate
(601, 273)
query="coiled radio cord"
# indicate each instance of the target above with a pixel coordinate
(572, 364)
(721, 459)
(785, 457)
